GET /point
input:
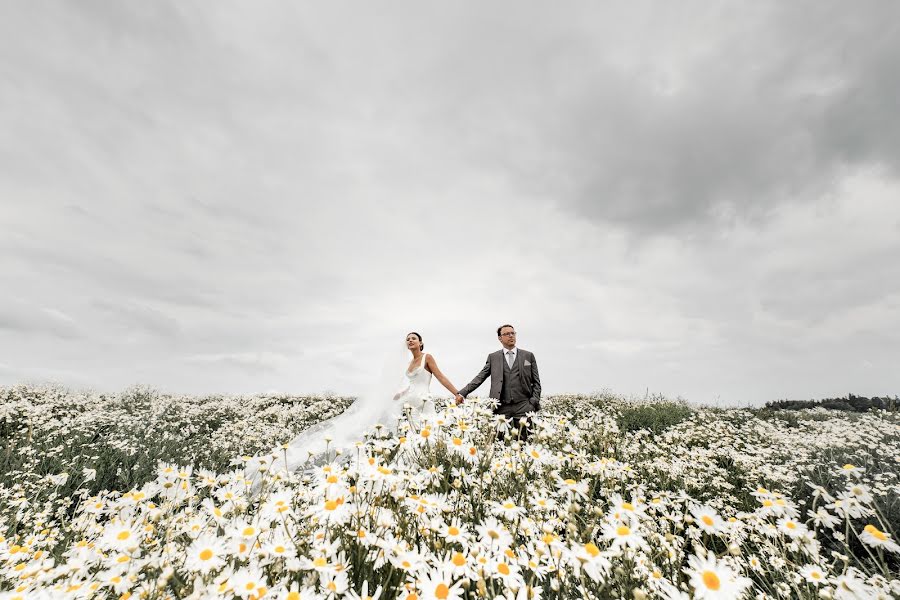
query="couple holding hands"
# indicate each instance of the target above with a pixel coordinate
(515, 381)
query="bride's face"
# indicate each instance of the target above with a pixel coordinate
(413, 342)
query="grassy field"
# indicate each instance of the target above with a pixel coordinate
(143, 495)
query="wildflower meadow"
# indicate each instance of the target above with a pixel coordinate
(144, 495)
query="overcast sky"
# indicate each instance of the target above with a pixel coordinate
(695, 199)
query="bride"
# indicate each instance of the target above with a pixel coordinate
(375, 408)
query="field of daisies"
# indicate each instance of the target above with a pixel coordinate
(145, 495)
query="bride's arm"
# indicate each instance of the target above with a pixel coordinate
(431, 365)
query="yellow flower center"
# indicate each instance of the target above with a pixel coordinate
(452, 530)
(442, 591)
(320, 561)
(331, 504)
(123, 535)
(293, 596)
(503, 569)
(708, 520)
(569, 482)
(592, 549)
(711, 580)
(627, 506)
(248, 531)
(458, 559)
(206, 554)
(623, 530)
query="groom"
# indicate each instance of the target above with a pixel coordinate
(514, 381)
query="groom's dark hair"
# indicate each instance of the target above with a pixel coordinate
(499, 329)
(421, 345)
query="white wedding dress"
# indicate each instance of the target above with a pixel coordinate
(416, 393)
(412, 402)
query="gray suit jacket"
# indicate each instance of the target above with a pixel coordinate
(493, 367)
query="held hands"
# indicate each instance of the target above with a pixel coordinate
(459, 399)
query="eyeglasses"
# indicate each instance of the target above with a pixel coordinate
(508, 333)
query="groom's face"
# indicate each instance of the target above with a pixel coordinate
(508, 337)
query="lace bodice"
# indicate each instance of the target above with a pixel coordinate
(419, 378)
(417, 388)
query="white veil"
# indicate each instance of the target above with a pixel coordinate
(375, 405)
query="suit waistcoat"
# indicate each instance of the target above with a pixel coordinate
(512, 390)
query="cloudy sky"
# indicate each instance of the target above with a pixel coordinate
(699, 200)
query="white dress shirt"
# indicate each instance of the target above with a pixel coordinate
(506, 352)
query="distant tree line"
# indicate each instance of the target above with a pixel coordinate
(852, 403)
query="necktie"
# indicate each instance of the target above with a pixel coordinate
(509, 358)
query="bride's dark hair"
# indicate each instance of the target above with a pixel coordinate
(421, 345)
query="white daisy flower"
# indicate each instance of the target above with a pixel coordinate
(708, 520)
(714, 579)
(438, 585)
(791, 528)
(873, 536)
(205, 554)
(492, 534)
(249, 582)
(813, 574)
(621, 535)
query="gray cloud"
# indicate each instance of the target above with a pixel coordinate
(775, 106)
(134, 316)
(23, 318)
(249, 361)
